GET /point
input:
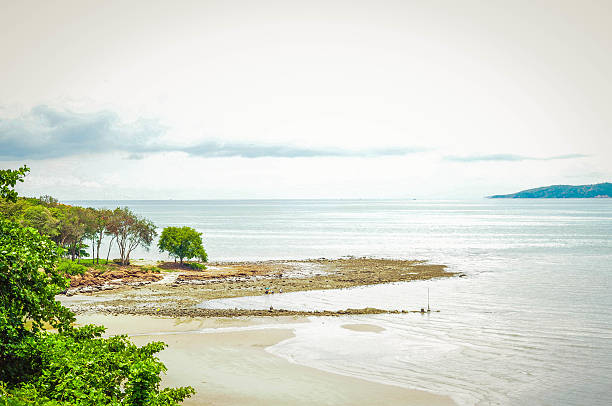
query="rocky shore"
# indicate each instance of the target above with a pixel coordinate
(176, 293)
(108, 279)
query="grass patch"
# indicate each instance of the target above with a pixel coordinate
(71, 268)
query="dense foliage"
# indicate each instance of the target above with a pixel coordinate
(8, 180)
(74, 366)
(80, 368)
(29, 282)
(71, 268)
(182, 243)
(71, 226)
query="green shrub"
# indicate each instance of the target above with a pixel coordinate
(78, 367)
(71, 268)
(92, 262)
(151, 268)
(196, 266)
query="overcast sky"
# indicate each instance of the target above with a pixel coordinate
(306, 99)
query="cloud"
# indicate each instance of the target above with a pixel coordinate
(48, 133)
(245, 150)
(507, 158)
(45, 133)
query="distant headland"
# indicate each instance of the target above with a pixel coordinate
(562, 192)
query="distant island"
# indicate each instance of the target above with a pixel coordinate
(561, 192)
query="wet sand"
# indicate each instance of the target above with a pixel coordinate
(366, 328)
(233, 368)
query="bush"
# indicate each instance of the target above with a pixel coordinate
(78, 367)
(92, 262)
(71, 268)
(151, 268)
(196, 266)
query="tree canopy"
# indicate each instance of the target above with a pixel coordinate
(182, 243)
(129, 231)
(71, 226)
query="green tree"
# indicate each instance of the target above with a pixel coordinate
(89, 218)
(8, 180)
(129, 232)
(182, 243)
(71, 230)
(29, 282)
(102, 217)
(74, 366)
(40, 218)
(48, 200)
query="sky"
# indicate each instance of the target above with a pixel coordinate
(146, 99)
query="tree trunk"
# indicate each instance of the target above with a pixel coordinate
(109, 248)
(77, 251)
(121, 246)
(98, 249)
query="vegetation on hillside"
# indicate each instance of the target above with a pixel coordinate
(562, 192)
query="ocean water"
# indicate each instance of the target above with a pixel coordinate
(530, 324)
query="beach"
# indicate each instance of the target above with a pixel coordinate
(226, 361)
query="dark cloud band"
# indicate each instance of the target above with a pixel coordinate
(46, 133)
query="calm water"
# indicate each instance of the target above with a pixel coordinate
(531, 324)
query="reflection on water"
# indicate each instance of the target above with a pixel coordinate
(514, 348)
(531, 324)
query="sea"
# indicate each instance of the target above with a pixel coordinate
(529, 324)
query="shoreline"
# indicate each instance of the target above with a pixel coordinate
(233, 367)
(229, 367)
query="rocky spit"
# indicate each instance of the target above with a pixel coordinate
(176, 292)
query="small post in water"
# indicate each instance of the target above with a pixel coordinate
(428, 301)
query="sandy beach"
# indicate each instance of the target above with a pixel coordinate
(233, 367)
